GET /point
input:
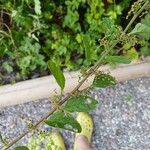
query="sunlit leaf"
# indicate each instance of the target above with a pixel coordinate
(140, 28)
(80, 103)
(55, 70)
(104, 80)
(65, 121)
(37, 7)
(132, 54)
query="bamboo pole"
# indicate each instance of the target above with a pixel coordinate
(45, 87)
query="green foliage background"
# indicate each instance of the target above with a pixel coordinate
(64, 31)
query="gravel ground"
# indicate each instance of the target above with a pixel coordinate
(122, 119)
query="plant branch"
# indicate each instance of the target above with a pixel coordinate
(90, 72)
(135, 16)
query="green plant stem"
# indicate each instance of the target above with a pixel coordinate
(135, 16)
(89, 73)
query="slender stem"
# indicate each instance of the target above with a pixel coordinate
(89, 73)
(9, 35)
(135, 16)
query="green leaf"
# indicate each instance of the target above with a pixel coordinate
(79, 38)
(89, 45)
(146, 21)
(140, 28)
(65, 121)
(132, 54)
(37, 7)
(145, 50)
(80, 103)
(117, 59)
(7, 67)
(55, 70)
(21, 148)
(104, 80)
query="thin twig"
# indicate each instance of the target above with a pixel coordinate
(9, 35)
(136, 15)
(89, 73)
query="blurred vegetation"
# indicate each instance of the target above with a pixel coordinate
(65, 31)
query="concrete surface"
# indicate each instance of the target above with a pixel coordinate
(122, 118)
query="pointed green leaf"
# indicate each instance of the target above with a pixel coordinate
(104, 80)
(140, 28)
(117, 59)
(65, 121)
(55, 70)
(80, 103)
(21, 148)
